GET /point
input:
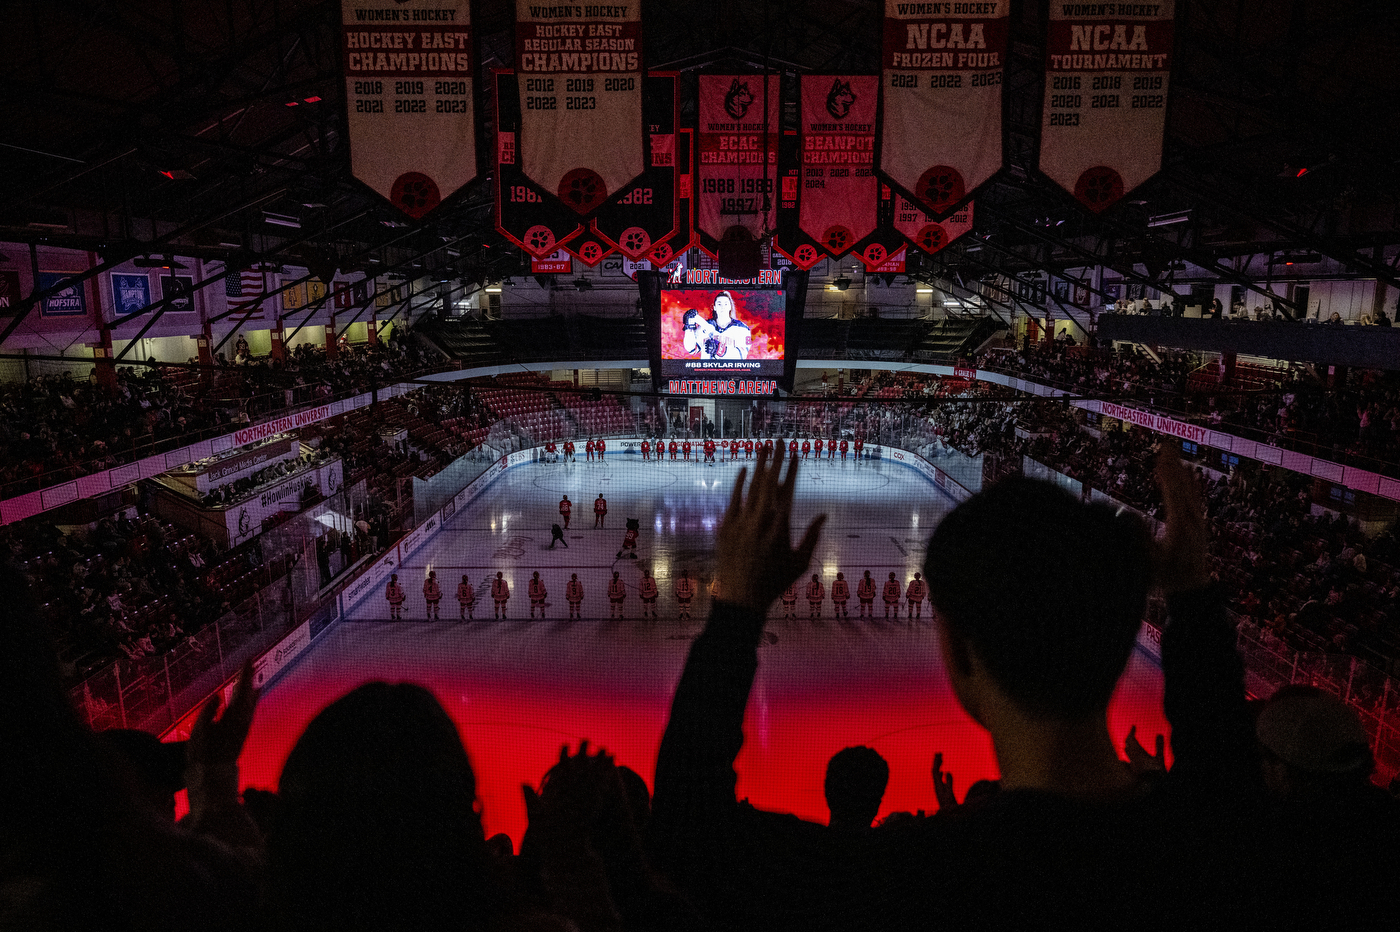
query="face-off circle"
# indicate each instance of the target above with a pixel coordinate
(931, 237)
(837, 239)
(1099, 188)
(415, 194)
(582, 189)
(539, 240)
(940, 187)
(634, 241)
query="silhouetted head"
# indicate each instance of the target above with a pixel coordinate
(840, 575)
(500, 575)
(573, 575)
(1055, 652)
(393, 577)
(537, 574)
(378, 826)
(464, 578)
(855, 783)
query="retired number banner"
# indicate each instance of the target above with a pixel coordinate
(1107, 68)
(923, 231)
(408, 98)
(839, 190)
(580, 74)
(738, 149)
(942, 70)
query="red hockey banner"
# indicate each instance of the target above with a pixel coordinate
(580, 76)
(1107, 70)
(738, 149)
(942, 68)
(408, 76)
(839, 190)
(923, 231)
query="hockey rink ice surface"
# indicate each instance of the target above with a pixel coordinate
(519, 689)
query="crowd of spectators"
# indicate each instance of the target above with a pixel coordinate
(1355, 420)
(1262, 818)
(128, 587)
(54, 428)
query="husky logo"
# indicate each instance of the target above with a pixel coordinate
(840, 99)
(738, 99)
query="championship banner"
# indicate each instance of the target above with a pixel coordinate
(668, 250)
(838, 186)
(923, 231)
(1107, 70)
(644, 213)
(408, 98)
(580, 91)
(738, 149)
(526, 214)
(942, 67)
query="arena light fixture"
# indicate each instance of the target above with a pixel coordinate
(495, 289)
(1166, 220)
(281, 220)
(924, 289)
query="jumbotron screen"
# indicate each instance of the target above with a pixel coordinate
(709, 333)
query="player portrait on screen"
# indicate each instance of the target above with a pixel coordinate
(716, 331)
(721, 335)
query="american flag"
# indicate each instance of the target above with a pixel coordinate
(248, 285)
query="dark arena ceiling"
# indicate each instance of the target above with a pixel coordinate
(136, 126)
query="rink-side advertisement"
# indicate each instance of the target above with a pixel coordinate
(942, 66)
(408, 77)
(579, 69)
(737, 145)
(1107, 71)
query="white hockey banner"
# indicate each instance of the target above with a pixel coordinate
(915, 225)
(1107, 68)
(942, 69)
(579, 70)
(408, 98)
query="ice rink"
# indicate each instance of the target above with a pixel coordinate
(521, 688)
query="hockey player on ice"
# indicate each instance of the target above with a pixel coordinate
(891, 596)
(394, 595)
(500, 594)
(647, 590)
(432, 594)
(566, 508)
(466, 598)
(840, 592)
(573, 594)
(600, 510)
(538, 594)
(685, 591)
(617, 592)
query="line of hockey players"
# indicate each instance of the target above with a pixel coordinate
(711, 451)
(814, 593)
